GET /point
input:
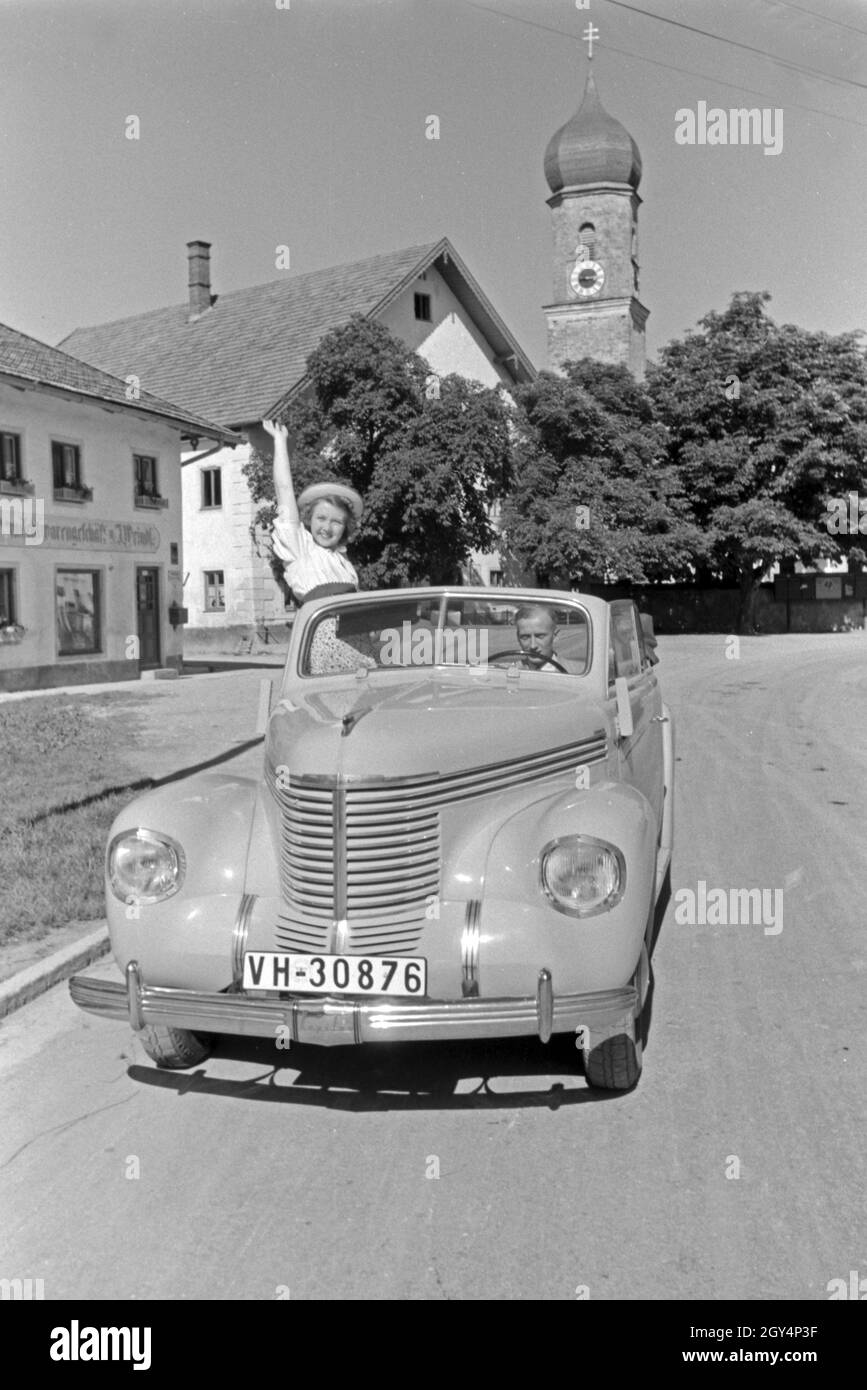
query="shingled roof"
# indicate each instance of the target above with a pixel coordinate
(242, 359)
(27, 359)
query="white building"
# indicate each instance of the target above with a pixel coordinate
(241, 357)
(90, 520)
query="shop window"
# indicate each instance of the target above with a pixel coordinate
(78, 612)
(212, 487)
(215, 592)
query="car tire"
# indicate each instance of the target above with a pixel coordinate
(614, 1064)
(174, 1048)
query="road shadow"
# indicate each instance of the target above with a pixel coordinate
(404, 1077)
(148, 784)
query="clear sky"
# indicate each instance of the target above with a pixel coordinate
(305, 126)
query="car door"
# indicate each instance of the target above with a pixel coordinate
(641, 752)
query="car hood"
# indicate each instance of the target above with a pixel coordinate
(432, 724)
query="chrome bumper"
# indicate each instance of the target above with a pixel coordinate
(337, 1022)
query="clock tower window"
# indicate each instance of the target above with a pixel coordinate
(587, 237)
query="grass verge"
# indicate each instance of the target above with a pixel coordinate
(65, 777)
(52, 872)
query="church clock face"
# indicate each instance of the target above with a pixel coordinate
(586, 279)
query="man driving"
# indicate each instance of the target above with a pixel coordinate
(536, 630)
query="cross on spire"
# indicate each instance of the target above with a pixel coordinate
(590, 33)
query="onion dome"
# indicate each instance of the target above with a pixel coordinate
(591, 148)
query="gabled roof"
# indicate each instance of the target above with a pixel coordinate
(241, 360)
(23, 358)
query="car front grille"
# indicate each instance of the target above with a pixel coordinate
(307, 849)
(373, 866)
(360, 859)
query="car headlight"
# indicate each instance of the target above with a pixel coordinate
(145, 867)
(583, 876)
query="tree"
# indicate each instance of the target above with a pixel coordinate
(429, 456)
(765, 424)
(594, 497)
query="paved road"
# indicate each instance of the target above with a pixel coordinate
(264, 1172)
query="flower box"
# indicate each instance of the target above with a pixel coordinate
(73, 494)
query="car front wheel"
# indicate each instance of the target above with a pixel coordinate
(174, 1048)
(614, 1064)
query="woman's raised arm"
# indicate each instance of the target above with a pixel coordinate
(283, 487)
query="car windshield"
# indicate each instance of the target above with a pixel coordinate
(447, 630)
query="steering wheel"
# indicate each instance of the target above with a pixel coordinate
(503, 656)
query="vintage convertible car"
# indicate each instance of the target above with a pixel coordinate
(462, 831)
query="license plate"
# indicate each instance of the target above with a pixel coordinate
(303, 974)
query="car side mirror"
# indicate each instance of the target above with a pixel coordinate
(625, 725)
(649, 638)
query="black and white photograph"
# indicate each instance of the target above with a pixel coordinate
(433, 667)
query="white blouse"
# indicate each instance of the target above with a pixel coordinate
(306, 564)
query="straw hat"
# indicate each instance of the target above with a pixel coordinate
(346, 494)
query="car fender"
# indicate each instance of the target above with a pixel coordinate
(523, 931)
(185, 939)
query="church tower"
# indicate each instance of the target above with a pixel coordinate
(593, 169)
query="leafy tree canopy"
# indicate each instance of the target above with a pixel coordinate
(765, 425)
(429, 456)
(594, 496)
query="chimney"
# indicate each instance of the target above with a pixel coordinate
(199, 257)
